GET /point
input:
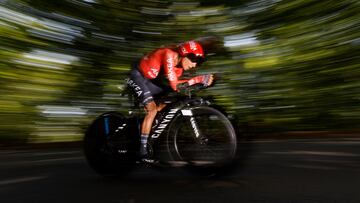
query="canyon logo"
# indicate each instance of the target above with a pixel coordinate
(164, 122)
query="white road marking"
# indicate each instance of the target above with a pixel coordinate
(41, 161)
(319, 153)
(21, 180)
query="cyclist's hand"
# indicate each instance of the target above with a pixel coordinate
(207, 79)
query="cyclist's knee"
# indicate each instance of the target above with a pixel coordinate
(151, 109)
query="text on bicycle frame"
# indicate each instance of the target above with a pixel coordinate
(165, 121)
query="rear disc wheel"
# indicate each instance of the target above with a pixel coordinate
(107, 146)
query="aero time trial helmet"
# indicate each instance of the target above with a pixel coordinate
(192, 50)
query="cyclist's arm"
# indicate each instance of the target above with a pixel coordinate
(205, 80)
(176, 84)
(173, 78)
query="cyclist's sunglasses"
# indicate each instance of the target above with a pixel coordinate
(196, 59)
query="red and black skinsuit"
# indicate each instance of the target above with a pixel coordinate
(159, 63)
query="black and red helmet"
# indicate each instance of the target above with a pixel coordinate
(192, 50)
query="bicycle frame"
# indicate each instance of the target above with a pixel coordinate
(165, 117)
(163, 123)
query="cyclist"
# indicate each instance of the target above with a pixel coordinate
(168, 63)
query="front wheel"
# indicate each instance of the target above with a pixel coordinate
(203, 138)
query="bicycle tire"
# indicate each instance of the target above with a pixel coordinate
(218, 152)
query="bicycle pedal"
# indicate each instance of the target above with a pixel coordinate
(149, 161)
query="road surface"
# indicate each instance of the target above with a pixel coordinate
(281, 171)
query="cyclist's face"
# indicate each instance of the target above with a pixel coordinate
(187, 64)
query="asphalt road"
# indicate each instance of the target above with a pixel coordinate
(280, 171)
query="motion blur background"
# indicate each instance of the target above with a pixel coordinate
(284, 65)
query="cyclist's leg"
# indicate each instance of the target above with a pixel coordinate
(145, 89)
(151, 111)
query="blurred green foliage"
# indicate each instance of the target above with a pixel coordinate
(284, 65)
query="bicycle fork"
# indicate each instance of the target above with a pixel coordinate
(200, 137)
(195, 127)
